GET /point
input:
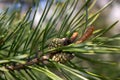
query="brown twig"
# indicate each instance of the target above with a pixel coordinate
(22, 66)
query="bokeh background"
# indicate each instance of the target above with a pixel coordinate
(109, 15)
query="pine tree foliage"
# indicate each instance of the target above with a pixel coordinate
(22, 45)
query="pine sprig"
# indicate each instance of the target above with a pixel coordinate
(26, 51)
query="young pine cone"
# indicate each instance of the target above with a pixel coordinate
(60, 56)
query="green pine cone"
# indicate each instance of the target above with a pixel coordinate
(60, 56)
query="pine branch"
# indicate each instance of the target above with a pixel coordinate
(56, 40)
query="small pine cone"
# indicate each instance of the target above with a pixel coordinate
(56, 43)
(60, 56)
